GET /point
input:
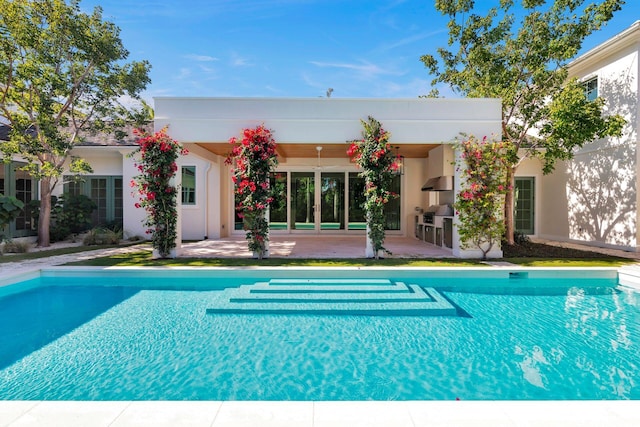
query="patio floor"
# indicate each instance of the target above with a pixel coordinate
(313, 246)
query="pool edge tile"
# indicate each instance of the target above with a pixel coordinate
(361, 414)
(265, 414)
(71, 413)
(168, 413)
(12, 410)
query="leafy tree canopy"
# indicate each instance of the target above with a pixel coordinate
(62, 75)
(518, 51)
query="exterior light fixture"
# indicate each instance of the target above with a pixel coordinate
(399, 162)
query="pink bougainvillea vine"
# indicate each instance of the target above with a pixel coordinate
(479, 205)
(374, 157)
(252, 159)
(157, 195)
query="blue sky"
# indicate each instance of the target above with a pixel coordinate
(291, 48)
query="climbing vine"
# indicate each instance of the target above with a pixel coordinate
(252, 160)
(480, 203)
(373, 155)
(157, 194)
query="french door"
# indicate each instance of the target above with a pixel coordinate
(317, 202)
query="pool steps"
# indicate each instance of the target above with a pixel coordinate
(369, 297)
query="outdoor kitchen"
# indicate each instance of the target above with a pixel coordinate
(434, 221)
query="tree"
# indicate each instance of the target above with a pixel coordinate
(62, 75)
(524, 63)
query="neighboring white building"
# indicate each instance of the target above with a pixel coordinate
(593, 199)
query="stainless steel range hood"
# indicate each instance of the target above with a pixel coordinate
(439, 183)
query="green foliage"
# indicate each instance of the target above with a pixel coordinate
(62, 74)
(71, 214)
(10, 209)
(483, 167)
(102, 236)
(518, 52)
(15, 247)
(373, 155)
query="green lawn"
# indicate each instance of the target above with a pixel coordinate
(570, 262)
(52, 252)
(143, 258)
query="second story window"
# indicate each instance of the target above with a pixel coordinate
(591, 88)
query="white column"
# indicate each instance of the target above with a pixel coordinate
(469, 253)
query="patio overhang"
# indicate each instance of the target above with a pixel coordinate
(301, 124)
(329, 150)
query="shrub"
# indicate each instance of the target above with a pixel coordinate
(70, 214)
(102, 236)
(15, 247)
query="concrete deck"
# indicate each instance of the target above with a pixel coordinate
(314, 246)
(321, 414)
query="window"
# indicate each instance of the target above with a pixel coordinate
(18, 183)
(357, 215)
(279, 206)
(188, 185)
(105, 192)
(525, 205)
(591, 88)
(392, 208)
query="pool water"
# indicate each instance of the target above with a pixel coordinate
(129, 341)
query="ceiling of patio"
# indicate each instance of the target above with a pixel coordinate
(328, 150)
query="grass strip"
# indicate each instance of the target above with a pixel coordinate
(54, 252)
(570, 262)
(143, 258)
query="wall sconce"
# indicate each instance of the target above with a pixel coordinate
(399, 163)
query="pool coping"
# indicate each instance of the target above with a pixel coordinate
(318, 413)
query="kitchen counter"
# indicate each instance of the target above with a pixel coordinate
(439, 233)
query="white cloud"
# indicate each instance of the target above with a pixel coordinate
(201, 58)
(239, 61)
(184, 73)
(411, 39)
(366, 69)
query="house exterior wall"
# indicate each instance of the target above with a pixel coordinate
(593, 198)
(322, 120)
(532, 168)
(202, 220)
(319, 121)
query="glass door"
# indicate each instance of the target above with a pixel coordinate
(303, 205)
(332, 202)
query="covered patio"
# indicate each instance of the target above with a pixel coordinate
(313, 246)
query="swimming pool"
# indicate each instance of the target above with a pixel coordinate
(85, 334)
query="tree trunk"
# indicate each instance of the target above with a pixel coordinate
(509, 201)
(44, 218)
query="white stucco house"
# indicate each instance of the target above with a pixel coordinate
(320, 192)
(591, 199)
